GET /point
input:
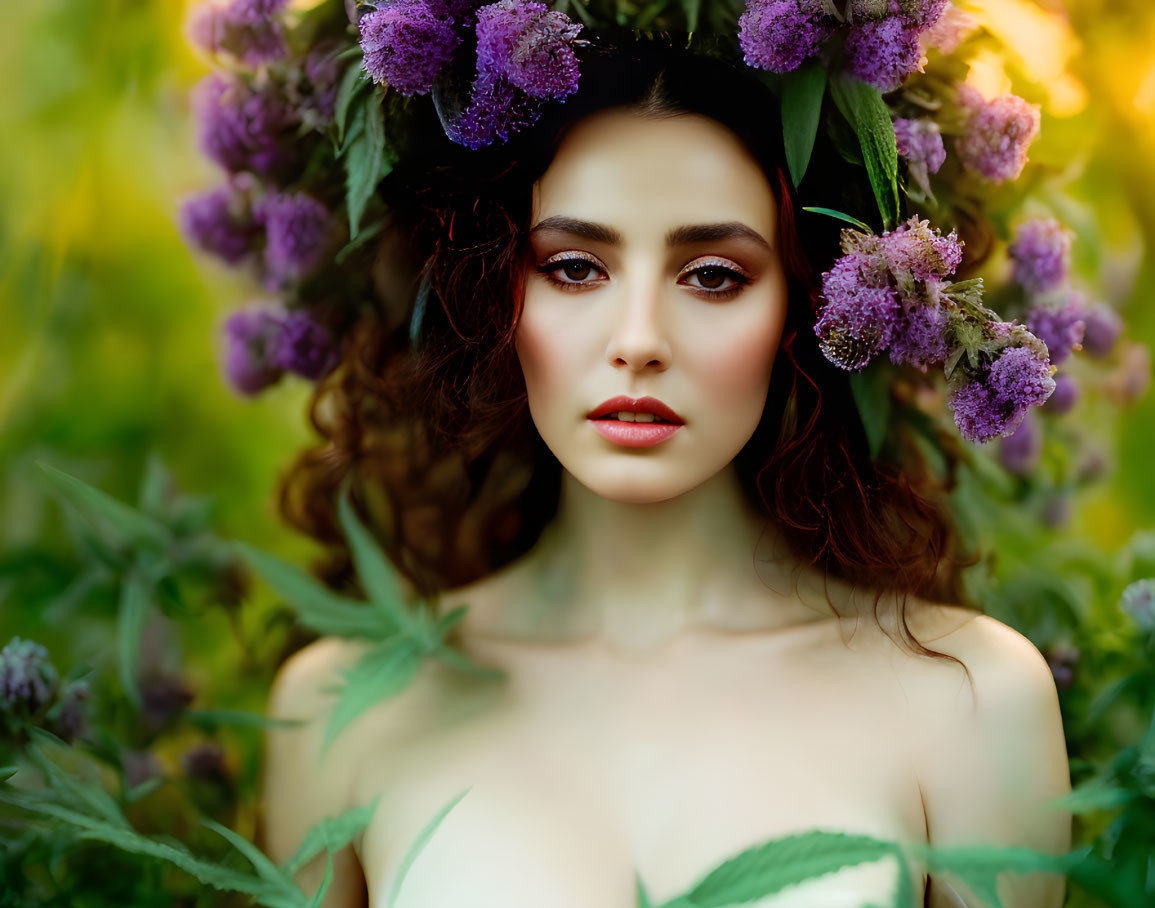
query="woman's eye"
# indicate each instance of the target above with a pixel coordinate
(569, 273)
(714, 278)
(712, 281)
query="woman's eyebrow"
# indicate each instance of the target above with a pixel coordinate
(677, 236)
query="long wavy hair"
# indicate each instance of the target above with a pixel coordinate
(425, 418)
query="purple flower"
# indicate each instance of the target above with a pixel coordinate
(243, 129)
(995, 403)
(496, 109)
(1101, 328)
(920, 142)
(922, 338)
(1041, 251)
(1065, 397)
(250, 341)
(530, 45)
(322, 73)
(406, 44)
(998, 134)
(1062, 659)
(780, 35)
(952, 28)
(70, 721)
(245, 29)
(297, 229)
(921, 13)
(304, 346)
(205, 761)
(914, 250)
(27, 678)
(1059, 325)
(883, 52)
(1138, 601)
(162, 699)
(860, 315)
(219, 222)
(1019, 451)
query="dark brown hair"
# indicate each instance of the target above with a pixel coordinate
(426, 416)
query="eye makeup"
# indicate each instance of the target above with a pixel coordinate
(705, 269)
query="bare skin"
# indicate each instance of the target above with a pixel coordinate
(677, 689)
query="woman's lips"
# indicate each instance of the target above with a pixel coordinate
(635, 434)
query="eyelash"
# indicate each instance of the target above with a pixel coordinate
(549, 268)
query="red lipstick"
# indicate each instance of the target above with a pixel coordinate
(635, 434)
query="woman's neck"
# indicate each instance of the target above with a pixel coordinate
(635, 576)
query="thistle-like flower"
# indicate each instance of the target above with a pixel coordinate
(250, 336)
(1059, 323)
(995, 402)
(298, 229)
(530, 45)
(28, 679)
(220, 222)
(998, 134)
(406, 44)
(247, 30)
(303, 346)
(780, 35)
(1041, 251)
(920, 143)
(883, 52)
(242, 128)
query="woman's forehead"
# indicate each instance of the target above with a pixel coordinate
(633, 171)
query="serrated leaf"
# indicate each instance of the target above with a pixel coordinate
(220, 878)
(864, 109)
(365, 164)
(317, 607)
(333, 833)
(352, 83)
(450, 620)
(768, 868)
(418, 846)
(377, 576)
(841, 216)
(134, 528)
(802, 93)
(265, 868)
(979, 866)
(462, 663)
(92, 798)
(1096, 794)
(871, 390)
(381, 673)
(132, 614)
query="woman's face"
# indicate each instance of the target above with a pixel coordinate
(657, 275)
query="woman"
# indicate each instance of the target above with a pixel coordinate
(702, 589)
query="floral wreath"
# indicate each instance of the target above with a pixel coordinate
(296, 118)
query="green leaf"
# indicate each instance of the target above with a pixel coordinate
(418, 846)
(979, 866)
(7, 772)
(768, 868)
(212, 718)
(838, 215)
(365, 164)
(871, 390)
(154, 486)
(266, 869)
(377, 576)
(318, 899)
(143, 790)
(333, 833)
(352, 82)
(449, 620)
(802, 92)
(692, 8)
(133, 527)
(129, 840)
(135, 602)
(864, 109)
(384, 671)
(643, 896)
(1095, 794)
(92, 798)
(462, 663)
(317, 607)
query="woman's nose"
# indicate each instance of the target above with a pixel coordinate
(638, 338)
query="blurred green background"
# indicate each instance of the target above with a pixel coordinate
(109, 324)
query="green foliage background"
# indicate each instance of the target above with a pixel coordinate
(108, 356)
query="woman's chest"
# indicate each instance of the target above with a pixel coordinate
(582, 780)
